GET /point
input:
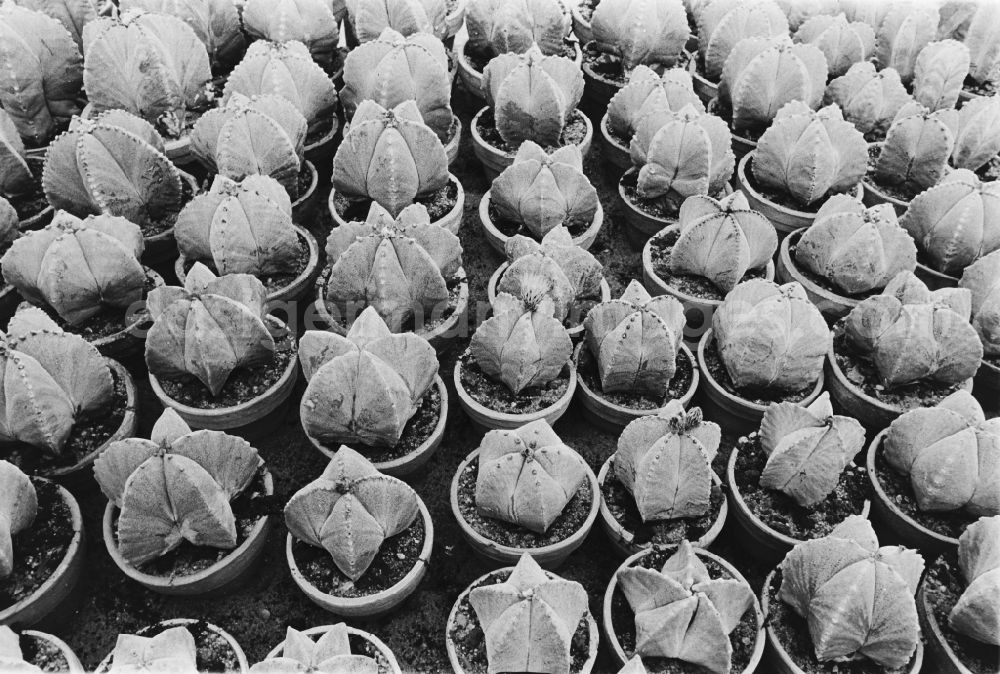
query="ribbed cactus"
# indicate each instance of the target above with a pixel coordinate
(208, 328)
(914, 335)
(175, 487)
(543, 192)
(215, 22)
(41, 72)
(310, 22)
(825, 579)
(532, 95)
(977, 133)
(16, 178)
(856, 249)
(390, 157)
(762, 75)
(640, 32)
(869, 99)
(18, 507)
(956, 221)
(938, 74)
(240, 227)
(501, 26)
(172, 650)
(724, 23)
(976, 613)
(350, 510)
(915, 153)
(113, 164)
(529, 620)
(527, 476)
(635, 341)
(980, 34)
(721, 240)
(682, 612)
(365, 387)
(982, 279)
(73, 14)
(842, 42)
(8, 225)
(78, 267)
(665, 462)
(647, 91)
(771, 336)
(904, 31)
(401, 267)
(330, 653)
(371, 18)
(392, 69)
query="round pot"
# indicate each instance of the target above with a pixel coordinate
(225, 576)
(44, 216)
(939, 653)
(489, 419)
(616, 155)
(279, 650)
(830, 304)
(377, 604)
(873, 195)
(934, 279)
(597, 89)
(473, 79)
(498, 240)
(987, 387)
(548, 556)
(163, 246)
(456, 665)
(301, 207)
(612, 637)
(52, 595)
(613, 417)
(241, 657)
(623, 540)
(494, 160)
(452, 221)
(706, 90)
(410, 463)
(581, 26)
(321, 151)
(73, 662)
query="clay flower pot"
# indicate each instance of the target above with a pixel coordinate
(225, 576)
(832, 305)
(320, 151)
(473, 79)
(316, 632)
(451, 221)
(373, 605)
(615, 154)
(73, 665)
(302, 207)
(706, 89)
(498, 240)
(598, 90)
(189, 623)
(163, 246)
(549, 556)
(874, 194)
(940, 656)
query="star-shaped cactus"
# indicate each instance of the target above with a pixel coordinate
(172, 650)
(977, 612)
(330, 654)
(18, 507)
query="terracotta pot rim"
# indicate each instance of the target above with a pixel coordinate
(466, 399)
(498, 240)
(241, 657)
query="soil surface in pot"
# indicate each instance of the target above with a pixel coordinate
(578, 309)
(568, 523)
(690, 284)
(509, 227)
(901, 192)
(43, 654)
(608, 67)
(495, 395)
(214, 652)
(39, 549)
(109, 321)
(678, 386)
(438, 203)
(613, 134)
(793, 245)
(34, 202)
(318, 130)
(621, 504)
(784, 515)
(396, 558)
(479, 58)
(361, 646)
(272, 282)
(717, 370)
(943, 585)
(470, 642)
(573, 133)
(743, 637)
(664, 208)
(159, 226)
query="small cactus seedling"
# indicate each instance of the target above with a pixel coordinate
(371, 19)
(868, 98)
(311, 22)
(641, 33)
(842, 42)
(982, 279)
(215, 22)
(501, 26)
(917, 146)
(682, 612)
(647, 91)
(18, 508)
(904, 31)
(976, 614)
(938, 74)
(977, 133)
(15, 175)
(350, 510)
(172, 650)
(722, 24)
(330, 653)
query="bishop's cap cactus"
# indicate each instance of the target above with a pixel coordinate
(904, 31)
(501, 26)
(18, 508)
(330, 653)
(977, 133)
(215, 22)
(939, 72)
(976, 614)
(640, 32)
(842, 42)
(723, 23)
(172, 650)
(982, 279)
(407, 17)
(647, 91)
(310, 22)
(917, 145)
(16, 179)
(868, 98)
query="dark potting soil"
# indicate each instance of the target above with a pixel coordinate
(272, 282)
(975, 88)
(479, 59)
(717, 371)
(512, 535)
(39, 549)
(792, 632)
(361, 646)
(214, 652)
(782, 514)
(496, 396)
(109, 321)
(43, 654)
(742, 638)
(943, 585)
(990, 170)
(578, 309)
(438, 203)
(678, 386)
(901, 192)
(467, 635)
(624, 141)
(154, 227)
(660, 247)
(793, 244)
(573, 133)
(303, 181)
(34, 202)
(508, 227)
(622, 506)
(608, 67)
(665, 208)
(317, 131)
(898, 489)
(396, 558)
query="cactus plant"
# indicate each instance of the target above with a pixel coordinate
(977, 133)
(665, 462)
(682, 612)
(41, 73)
(172, 650)
(18, 508)
(976, 613)
(365, 387)
(721, 240)
(938, 74)
(208, 328)
(826, 579)
(722, 24)
(904, 31)
(16, 178)
(641, 33)
(527, 476)
(982, 279)
(533, 96)
(311, 22)
(330, 653)
(856, 249)
(501, 26)
(635, 341)
(350, 510)
(518, 638)
(544, 192)
(77, 267)
(915, 153)
(647, 91)
(175, 487)
(215, 22)
(868, 99)
(8, 225)
(956, 221)
(74, 15)
(979, 34)
(408, 17)
(843, 42)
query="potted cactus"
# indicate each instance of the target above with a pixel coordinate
(715, 245)
(938, 74)
(366, 20)
(932, 472)
(188, 512)
(30, 651)
(905, 348)
(956, 603)
(982, 279)
(490, 626)
(540, 192)
(843, 43)
(848, 254)
(359, 542)
(659, 487)
(21, 178)
(41, 554)
(214, 355)
(977, 137)
(9, 297)
(868, 98)
(524, 492)
(679, 607)
(404, 163)
(329, 648)
(182, 645)
(399, 403)
(976, 26)
(314, 23)
(245, 227)
(825, 578)
(901, 36)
